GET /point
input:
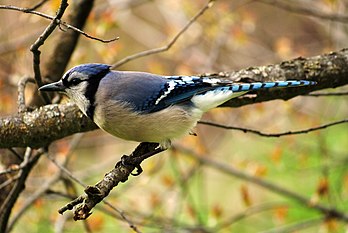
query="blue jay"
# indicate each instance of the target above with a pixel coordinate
(146, 107)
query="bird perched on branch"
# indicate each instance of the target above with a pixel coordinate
(146, 107)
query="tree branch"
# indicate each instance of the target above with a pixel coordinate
(328, 70)
(83, 204)
(42, 126)
(52, 122)
(277, 135)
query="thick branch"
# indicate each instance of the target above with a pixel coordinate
(329, 70)
(53, 122)
(42, 126)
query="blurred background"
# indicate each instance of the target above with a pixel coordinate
(176, 192)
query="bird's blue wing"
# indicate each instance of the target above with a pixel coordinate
(180, 89)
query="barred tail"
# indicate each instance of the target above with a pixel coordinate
(259, 85)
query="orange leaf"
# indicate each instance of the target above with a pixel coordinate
(260, 170)
(191, 211)
(96, 222)
(154, 200)
(245, 195)
(168, 181)
(217, 211)
(276, 154)
(331, 225)
(323, 187)
(281, 213)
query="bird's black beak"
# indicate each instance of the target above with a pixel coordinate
(57, 86)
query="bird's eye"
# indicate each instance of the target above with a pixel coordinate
(75, 81)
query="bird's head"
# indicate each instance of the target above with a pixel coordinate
(80, 84)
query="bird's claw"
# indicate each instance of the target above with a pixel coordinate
(127, 161)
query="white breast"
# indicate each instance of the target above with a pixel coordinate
(162, 126)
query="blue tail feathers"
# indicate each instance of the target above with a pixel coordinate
(264, 85)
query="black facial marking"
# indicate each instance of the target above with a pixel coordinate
(92, 87)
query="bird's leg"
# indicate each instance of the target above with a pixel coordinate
(143, 151)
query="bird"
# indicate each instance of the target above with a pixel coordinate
(145, 107)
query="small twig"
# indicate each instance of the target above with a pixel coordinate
(8, 181)
(60, 223)
(296, 227)
(123, 216)
(19, 156)
(64, 170)
(170, 44)
(327, 94)
(246, 130)
(59, 22)
(36, 6)
(252, 210)
(34, 48)
(21, 95)
(306, 11)
(10, 170)
(26, 10)
(68, 26)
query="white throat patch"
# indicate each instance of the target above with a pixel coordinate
(77, 95)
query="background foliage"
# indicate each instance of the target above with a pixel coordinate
(177, 192)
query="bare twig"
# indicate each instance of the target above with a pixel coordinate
(306, 11)
(327, 94)
(34, 48)
(246, 130)
(21, 97)
(170, 44)
(123, 216)
(68, 26)
(10, 170)
(59, 22)
(19, 156)
(9, 181)
(255, 209)
(39, 4)
(296, 227)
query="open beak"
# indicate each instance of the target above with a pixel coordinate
(57, 86)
